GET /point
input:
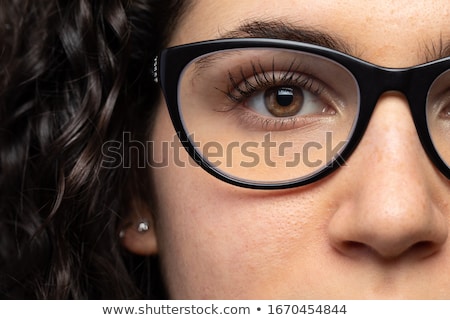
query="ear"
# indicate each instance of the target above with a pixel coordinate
(137, 232)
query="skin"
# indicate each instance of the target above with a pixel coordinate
(376, 228)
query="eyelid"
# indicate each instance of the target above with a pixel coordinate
(263, 78)
(239, 90)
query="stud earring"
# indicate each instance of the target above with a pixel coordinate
(143, 226)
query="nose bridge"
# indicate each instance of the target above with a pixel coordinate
(392, 105)
(407, 85)
(414, 85)
(393, 136)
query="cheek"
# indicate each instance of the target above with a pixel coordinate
(220, 241)
(215, 244)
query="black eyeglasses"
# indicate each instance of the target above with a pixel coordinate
(273, 114)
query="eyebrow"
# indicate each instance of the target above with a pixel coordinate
(285, 31)
(280, 30)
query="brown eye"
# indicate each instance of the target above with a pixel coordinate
(283, 101)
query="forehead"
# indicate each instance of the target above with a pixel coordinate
(391, 33)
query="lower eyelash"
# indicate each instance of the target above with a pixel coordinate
(250, 120)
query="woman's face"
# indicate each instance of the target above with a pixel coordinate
(375, 228)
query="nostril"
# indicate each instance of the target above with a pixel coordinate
(422, 245)
(353, 245)
(354, 248)
(423, 249)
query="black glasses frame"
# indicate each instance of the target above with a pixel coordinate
(372, 80)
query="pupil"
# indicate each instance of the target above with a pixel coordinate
(285, 96)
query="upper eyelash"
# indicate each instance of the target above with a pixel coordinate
(264, 79)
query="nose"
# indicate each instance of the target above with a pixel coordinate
(392, 206)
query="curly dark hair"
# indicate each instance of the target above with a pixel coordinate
(74, 74)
